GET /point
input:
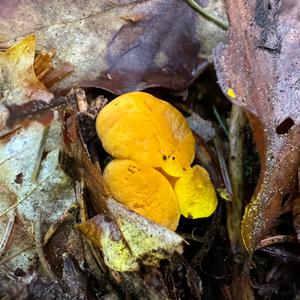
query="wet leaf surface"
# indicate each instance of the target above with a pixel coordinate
(117, 45)
(124, 45)
(259, 70)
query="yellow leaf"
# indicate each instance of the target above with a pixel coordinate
(18, 82)
(196, 194)
(105, 235)
(130, 240)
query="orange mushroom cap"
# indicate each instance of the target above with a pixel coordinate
(143, 190)
(196, 194)
(151, 131)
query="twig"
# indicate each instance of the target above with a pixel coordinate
(37, 166)
(221, 122)
(7, 233)
(67, 215)
(222, 24)
(241, 282)
(80, 200)
(192, 236)
(39, 249)
(91, 254)
(222, 162)
(276, 240)
(236, 149)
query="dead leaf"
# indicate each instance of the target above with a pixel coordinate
(53, 192)
(44, 69)
(18, 80)
(130, 240)
(132, 237)
(258, 69)
(117, 45)
(81, 163)
(296, 212)
(22, 78)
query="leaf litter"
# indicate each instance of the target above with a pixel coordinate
(51, 159)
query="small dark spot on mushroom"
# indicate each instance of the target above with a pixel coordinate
(190, 216)
(285, 126)
(131, 170)
(184, 169)
(164, 157)
(173, 157)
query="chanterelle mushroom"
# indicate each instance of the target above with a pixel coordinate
(154, 147)
(151, 131)
(144, 190)
(195, 194)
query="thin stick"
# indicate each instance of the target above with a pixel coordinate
(39, 248)
(223, 166)
(7, 233)
(37, 166)
(92, 254)
(80, 200)
(222, 124)
(67, 215)
(276, 240)
(236, 148)
(222, 24)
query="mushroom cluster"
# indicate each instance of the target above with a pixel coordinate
(153, 148)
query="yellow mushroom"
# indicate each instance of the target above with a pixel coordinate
(140, 127)
(195, 194)
(144, 190)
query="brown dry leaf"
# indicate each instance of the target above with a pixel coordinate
(296, 213)
(130, 240)
(259, 70)
(116, 45)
